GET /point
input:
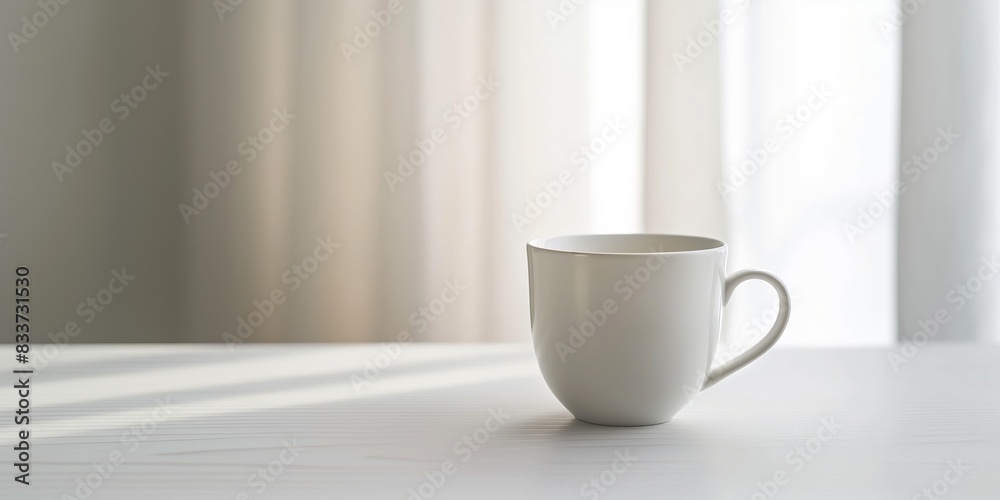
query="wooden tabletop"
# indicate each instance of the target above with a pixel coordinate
(413, 421)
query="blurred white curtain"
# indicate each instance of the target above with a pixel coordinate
(773, 124)
(359, 109)
(713, 83)
(815, 86)
(883, 120)
(770, 123)
(949, 227)
(360, 84)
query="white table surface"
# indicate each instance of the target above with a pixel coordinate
(233, 412)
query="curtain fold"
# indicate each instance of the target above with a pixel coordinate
(353, 170)
(415, 142)
(683, 114)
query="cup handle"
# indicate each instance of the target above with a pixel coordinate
(755, 351)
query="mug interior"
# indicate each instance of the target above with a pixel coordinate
(625, 244)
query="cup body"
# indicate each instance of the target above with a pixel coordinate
(625, 327)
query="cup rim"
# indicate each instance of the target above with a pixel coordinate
(706, 244)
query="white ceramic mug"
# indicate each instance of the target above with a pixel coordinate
(625, 327)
